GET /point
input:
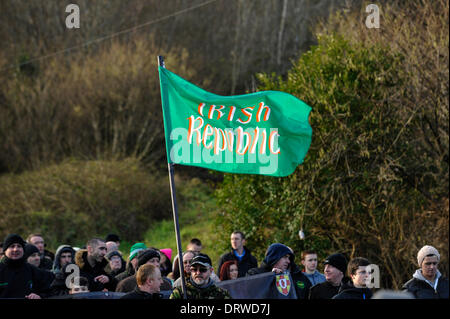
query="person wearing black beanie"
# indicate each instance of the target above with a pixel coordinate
(13, 239)
(18, 279)
(31, 254)
(147, 255)
(335, 269)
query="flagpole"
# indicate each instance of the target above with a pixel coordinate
(174, 206)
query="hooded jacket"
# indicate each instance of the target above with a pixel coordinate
(349, 291)
(421, 288)
(86, 270)
(246, 263)
(56, 262)
(274, 253)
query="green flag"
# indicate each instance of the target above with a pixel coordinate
(264, 133)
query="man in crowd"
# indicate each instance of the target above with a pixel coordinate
(200, 285)
(116, 263)
(427, 281)
(149, 282)
(78, 285)
(335, 268)
(65, 254)
(113, 238)
(194, 245)
(92, 263)
(240, 253)
(187, 259)
(279, 259)
(357, 287)
(31, 255)
(309, 261)
(148, 256)
(130, 268)
(46, 256)
(19, 279)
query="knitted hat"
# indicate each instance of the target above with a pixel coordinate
(146, 255)
(202, 259)
(338, 261)
(113, 253)
(135, 249)
(13, 239)
(30, 250)
(112, 237)
(167, 252)
(425, 251)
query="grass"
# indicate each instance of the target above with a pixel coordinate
(196, 208)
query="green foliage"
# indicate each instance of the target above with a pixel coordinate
(196, 210)
(347, 195)
(74, 201)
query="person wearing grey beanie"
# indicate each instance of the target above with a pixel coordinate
(427, 281)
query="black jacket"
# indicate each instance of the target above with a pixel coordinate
(422, 290)
(86, 270)
(326, 290)
(19, 278)
(139, 294)
(274, 253)
(349, 291)
(129, 284)
(129, 271)
(247, 262)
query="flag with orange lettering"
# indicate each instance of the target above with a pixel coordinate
(266, 133)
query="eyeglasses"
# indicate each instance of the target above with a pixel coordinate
(200, 269)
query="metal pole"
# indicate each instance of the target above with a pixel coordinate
(175, 208)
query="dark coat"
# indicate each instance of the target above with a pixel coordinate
(19, 278)
(58, 286)
(139, 294)
(86, 270)
(300, 281)
(274, 254)
(349, 291)
(326, 290)
(244, 265)
(129, 284)
(422, 290)
(46, 263)
(129, 271)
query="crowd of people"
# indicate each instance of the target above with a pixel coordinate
(28, 270)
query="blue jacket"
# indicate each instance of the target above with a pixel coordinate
(315, 278)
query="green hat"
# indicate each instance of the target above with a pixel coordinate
(135, 249)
